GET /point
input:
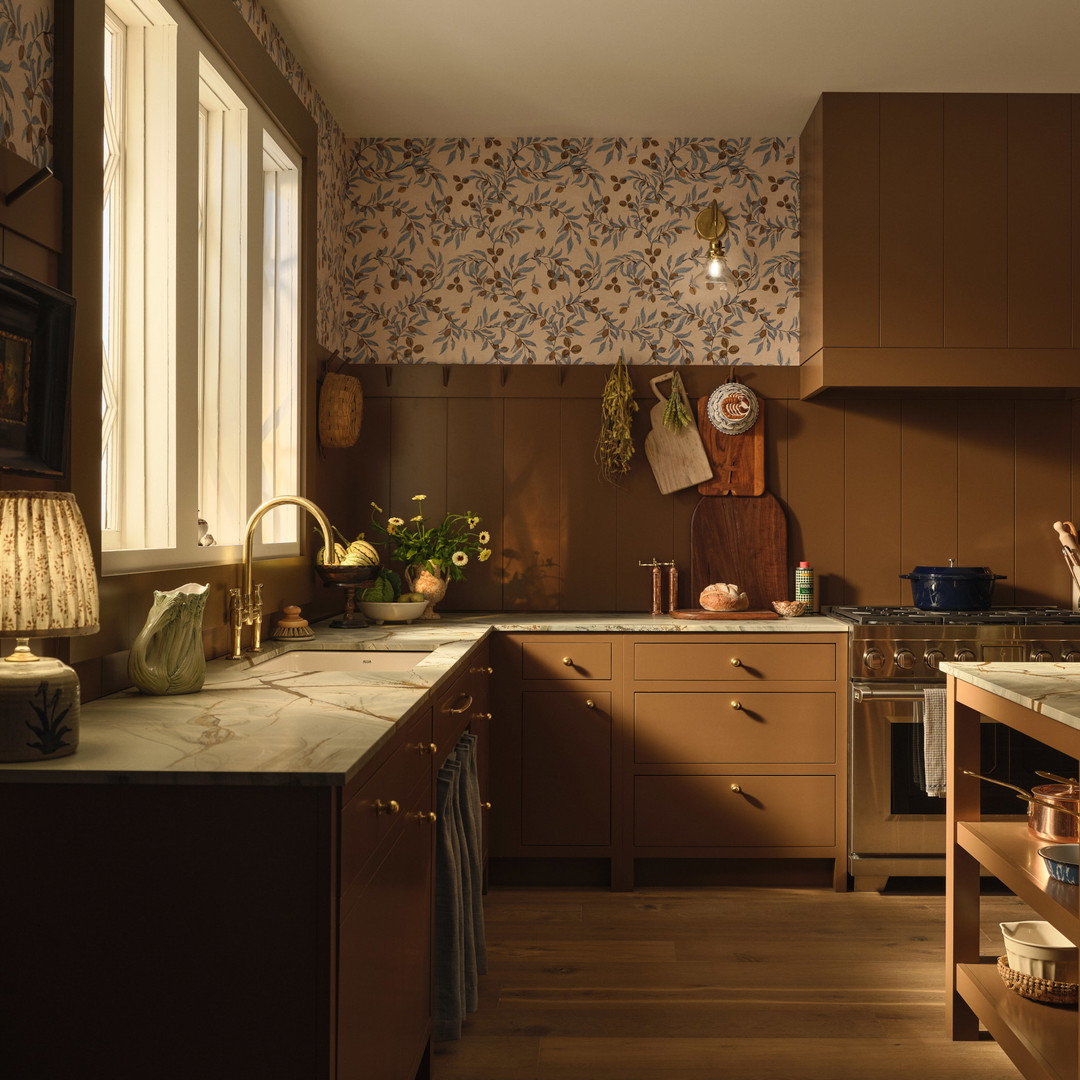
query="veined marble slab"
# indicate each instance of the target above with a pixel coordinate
(309, 727)
(1052, 689)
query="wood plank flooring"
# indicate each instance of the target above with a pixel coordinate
(691, 984)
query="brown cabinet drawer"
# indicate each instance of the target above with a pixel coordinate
(735, 661)
(566, 660)
(741, 726)
(370, 815)
(705, 811)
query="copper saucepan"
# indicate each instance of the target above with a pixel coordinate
(1053, 809)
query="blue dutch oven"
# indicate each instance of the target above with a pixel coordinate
(952, 588)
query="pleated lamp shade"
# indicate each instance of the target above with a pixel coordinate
(48, 588)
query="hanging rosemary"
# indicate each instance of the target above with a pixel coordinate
(615, 447)
(676, 416)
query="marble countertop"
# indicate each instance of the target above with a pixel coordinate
(252, 726)
(1052, 689)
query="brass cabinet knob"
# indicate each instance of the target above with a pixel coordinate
(426, 817)
(485, 806)
(736, 789)
(481, 671)
(736, 662)
(589, 703)
(736, 704)
(568, 661)
(390, 806)
(426, 748)
(481, 716)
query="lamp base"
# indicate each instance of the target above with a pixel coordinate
(39, 710)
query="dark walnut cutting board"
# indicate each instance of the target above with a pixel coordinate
(738, 461)
(742, 542)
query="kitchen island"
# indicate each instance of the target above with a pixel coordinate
(239, 881)
(1042, 700)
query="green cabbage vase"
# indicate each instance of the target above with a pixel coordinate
(167, 657)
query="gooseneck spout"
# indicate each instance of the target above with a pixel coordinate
(245, 603)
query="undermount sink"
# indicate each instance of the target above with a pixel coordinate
(340, 660)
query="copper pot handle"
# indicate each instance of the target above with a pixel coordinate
(978, 776)
(1058, 779)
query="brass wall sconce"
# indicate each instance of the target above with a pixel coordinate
(711, 224)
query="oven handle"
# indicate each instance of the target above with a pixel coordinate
(887, 692)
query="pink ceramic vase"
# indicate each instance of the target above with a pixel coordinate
(431, 586)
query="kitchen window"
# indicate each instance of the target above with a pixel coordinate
(201, 301)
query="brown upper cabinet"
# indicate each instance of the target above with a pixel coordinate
(940, 241)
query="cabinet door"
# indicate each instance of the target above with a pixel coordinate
(566, 767)
(384, 965)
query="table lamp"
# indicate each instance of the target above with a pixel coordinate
(48, 588)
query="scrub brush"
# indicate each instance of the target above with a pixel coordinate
(292, 626)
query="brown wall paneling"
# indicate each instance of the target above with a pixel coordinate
(872, 505)
(587, 510)
(1043, 492)
(530, 551)
(644, 528)
(1040, 204)
(815, 494)
(370, 478)
(928, 482)
(810, 244)
(850, 208)
(30, 258)
(418, 458)
(1075, 239)
(474, 482)
(974, 196)
(910, 222)
(986, 493)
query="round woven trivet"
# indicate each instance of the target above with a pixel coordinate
(1035, 989)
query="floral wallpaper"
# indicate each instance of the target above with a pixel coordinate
(568, 251)
(26, 78)
(331, 193)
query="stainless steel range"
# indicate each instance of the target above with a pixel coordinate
(896, 828)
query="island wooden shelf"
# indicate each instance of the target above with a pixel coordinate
(1041, 1040)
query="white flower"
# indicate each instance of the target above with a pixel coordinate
(484, 555)
(396, 521)
(460, 558)
(419, 517)
(484, 538)
(473, 522)
(419, 498)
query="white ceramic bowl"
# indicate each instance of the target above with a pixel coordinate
(1036, 948)
(402, 611)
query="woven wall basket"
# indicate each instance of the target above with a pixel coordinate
(341, 405)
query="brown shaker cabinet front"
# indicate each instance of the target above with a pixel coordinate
(738, 659)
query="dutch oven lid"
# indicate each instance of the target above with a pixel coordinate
(960, 572)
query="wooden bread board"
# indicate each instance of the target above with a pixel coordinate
(677, 458)
(738, 461)
(701, 613)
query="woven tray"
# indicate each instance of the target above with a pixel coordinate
(1034, 989)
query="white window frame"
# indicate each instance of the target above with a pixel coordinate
(206, 439)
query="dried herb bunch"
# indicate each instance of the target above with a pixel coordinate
(615, 447)
(676, 416)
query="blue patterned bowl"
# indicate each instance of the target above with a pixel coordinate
(1062, 862)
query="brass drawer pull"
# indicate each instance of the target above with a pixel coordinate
(485, 806)
(466, 699)
(589, 703)
(426, 817)
(568, 661)
(736, 662)
(391, 806)
(736, 789)
(481, 716)
(426, 748)
(736, 704)
(481, 671)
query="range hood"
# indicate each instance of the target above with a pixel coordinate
(940, 240)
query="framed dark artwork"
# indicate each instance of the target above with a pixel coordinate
(37, 324)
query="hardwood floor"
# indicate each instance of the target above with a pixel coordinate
(736, 982)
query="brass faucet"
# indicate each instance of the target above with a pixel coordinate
(245, 605)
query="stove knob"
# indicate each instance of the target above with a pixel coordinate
(964, 656)
(873, 659)
(1072, 656)
(932, 658)
(1041, 656)
(904, 659)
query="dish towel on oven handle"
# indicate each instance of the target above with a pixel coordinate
(934, 725)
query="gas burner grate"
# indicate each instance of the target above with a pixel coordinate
(1005, 616)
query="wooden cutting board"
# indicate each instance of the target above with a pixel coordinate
(742, 542)
(738, 461)
(677, 458)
